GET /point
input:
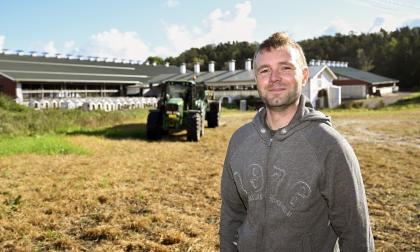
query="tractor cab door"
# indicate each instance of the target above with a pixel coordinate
(192, 96)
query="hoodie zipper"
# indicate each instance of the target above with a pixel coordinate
(261, 241)
(261, 230)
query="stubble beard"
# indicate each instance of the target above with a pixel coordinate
(280, 102)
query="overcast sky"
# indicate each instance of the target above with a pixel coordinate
(136, 29)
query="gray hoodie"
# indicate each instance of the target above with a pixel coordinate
(298, 190)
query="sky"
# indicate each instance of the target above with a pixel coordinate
(137, 29)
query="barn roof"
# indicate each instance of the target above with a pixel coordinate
(357, 74)
(315, 70)
(208, 77)
(224, 76)
(41, 69)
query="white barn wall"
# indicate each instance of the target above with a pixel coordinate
(353, 92)
(384, 90)
(319, 82)
(334, 96)
(19, 94)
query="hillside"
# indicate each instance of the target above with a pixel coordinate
(391, 54)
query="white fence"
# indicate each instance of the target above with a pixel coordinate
(98, 103)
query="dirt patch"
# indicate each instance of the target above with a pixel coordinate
(380, 101)
(136, 195)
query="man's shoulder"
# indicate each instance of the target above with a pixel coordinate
(322, 134)
(239, 137)
(243, 132)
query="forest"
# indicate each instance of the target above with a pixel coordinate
(392, 54)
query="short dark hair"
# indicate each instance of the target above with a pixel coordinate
(277, 40)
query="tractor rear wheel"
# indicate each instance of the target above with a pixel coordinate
(213, 115)
(194, 127)
(154, 125)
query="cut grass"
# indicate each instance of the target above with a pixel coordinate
(46, 144)
(130, 194)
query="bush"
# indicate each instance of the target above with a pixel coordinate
(7, 103)
(351, 105)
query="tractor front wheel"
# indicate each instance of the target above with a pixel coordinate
(154, 125)
(194, 128)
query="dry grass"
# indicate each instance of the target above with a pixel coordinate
(135, 195)
(388, 147)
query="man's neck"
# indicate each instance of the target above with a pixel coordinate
(279, 118)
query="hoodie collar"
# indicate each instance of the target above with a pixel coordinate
(304, 114)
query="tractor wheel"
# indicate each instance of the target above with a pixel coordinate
(194, 127)
(213, 115)
(202, 119)
(154, 125)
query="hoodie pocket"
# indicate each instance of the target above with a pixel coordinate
(247, 238)
(307, 243)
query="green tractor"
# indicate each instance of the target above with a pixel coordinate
(183, 105)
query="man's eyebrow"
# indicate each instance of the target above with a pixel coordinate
(285, 63)
(262, 66)
(289, 63)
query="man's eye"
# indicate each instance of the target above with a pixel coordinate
(286, 68)
(263, 71)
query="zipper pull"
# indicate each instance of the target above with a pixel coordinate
(270, 142)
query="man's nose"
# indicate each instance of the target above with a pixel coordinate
(275, 75)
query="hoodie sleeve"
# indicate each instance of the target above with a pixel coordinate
(343, 189)
(233, 211)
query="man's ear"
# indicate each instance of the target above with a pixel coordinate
(305, 73)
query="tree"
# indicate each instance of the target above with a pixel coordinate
(155, 59)
(365, 63)
(391, 54)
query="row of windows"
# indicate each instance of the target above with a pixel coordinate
(27, 96)
(221, 88)
(37, 86)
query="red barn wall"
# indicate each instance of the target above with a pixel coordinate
(7, 86)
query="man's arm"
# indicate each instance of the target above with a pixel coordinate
(344, 192)
(232, 212)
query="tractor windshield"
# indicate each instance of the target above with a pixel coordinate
(177, 91)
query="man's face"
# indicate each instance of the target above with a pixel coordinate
(280, 77)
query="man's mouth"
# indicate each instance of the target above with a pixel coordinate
(275, 89)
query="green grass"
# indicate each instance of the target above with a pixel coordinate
(46, 145)
(407, 104)
(122, 131)
(24, 131)
(409, 101)
(18, 120)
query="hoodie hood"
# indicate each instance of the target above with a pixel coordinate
(304, 116)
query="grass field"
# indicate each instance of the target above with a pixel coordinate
(128, 194)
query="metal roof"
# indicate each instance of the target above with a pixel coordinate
(42, 69)
(357, 74)
(315, 70)
(208, 77)
(228, 76)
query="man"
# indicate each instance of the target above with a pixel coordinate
(290, 181)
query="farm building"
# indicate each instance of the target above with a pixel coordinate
(320, 89)
(230, 84)
(234, 84)
(358, 84)
(34, 77)
(37, 77)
